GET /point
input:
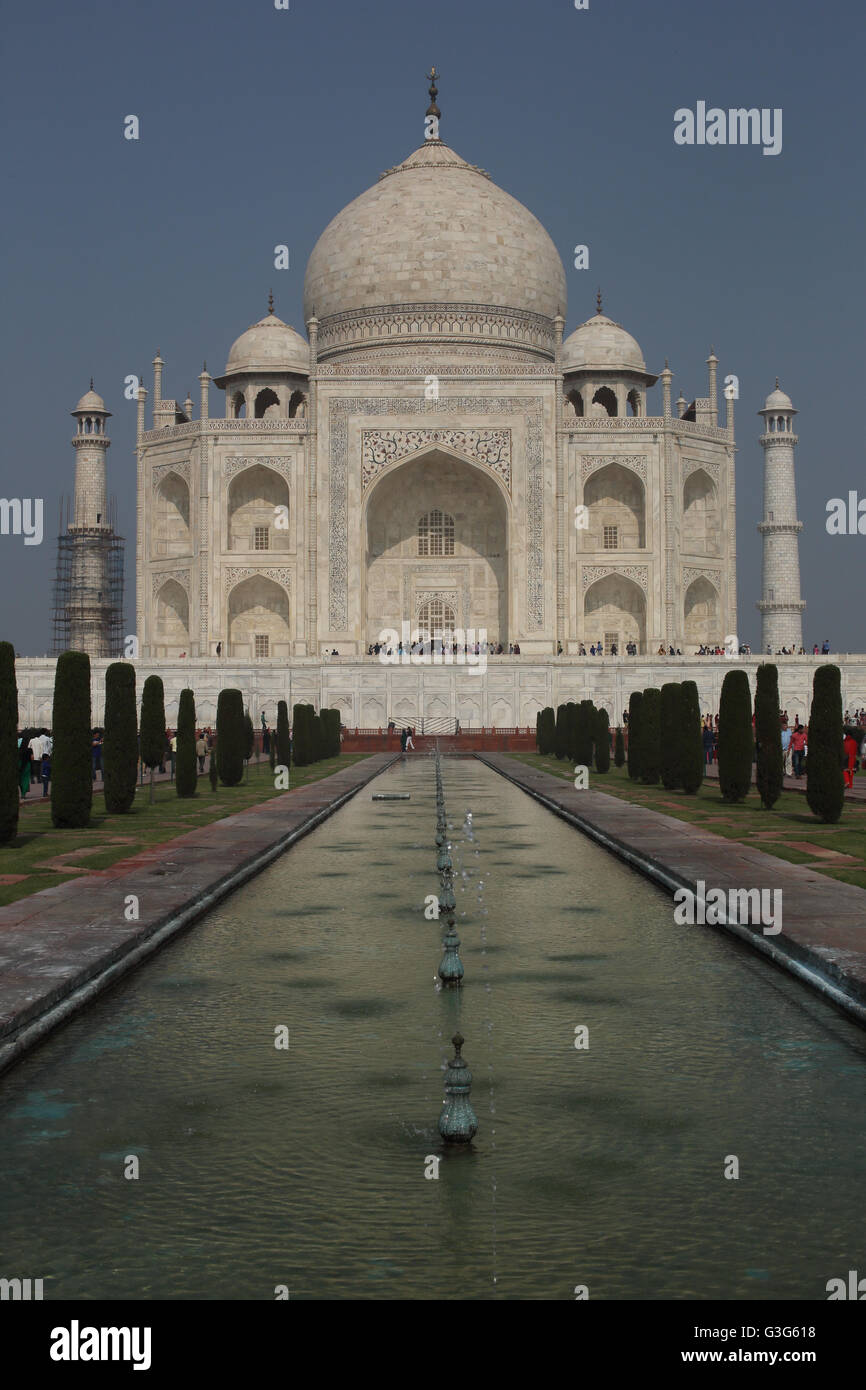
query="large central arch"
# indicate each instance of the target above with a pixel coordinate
(466, 569)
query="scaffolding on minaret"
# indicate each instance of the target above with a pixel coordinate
(87, 607)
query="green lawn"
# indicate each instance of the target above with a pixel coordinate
(48, 856)
(770, 831)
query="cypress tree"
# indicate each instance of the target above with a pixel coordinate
(735, 737)
(691, 754)
(335, 733)
(538, 732)
(560, 742)
(548, 731)
(584, 733)
(768, 736)
(602, 741)
(299, 736)
(619, 747)
(249, 743)
(120, 741)
(213, 769)
(9, 789)
(634, 704)
(152, 728)
(231, 737)
(284, 746)
(651, 736)
(71, 761)
(669, 716)
(186, 771)
(571, 729)
(825, 784)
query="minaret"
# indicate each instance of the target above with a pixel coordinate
(88, 589)
(781, 606)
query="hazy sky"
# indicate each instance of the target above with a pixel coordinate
(258, 125)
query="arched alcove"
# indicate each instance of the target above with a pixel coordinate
(172, 619)
(606, 397)
(614, 610)
(702, 609)
(254, 521)
(615, 498)
(258, 619)
(171, 532)
(464, 552)
(267, 404)
(701, 533)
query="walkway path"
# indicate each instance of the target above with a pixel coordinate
(823, 937)
(60, 947)
(798, 784)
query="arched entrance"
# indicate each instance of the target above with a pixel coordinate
(437, 544)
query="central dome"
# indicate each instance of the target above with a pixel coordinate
(434, 231)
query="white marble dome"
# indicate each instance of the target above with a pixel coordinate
(269, 346)
(91, 400)
(604, 345)
(434, 230)
(779, 400)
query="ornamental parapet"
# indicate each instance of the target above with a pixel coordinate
(197, 427)
(771, 528)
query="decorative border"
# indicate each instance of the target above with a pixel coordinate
(235, 464)
(449, 596)
(531, 407)
(162, 469)
(160, 577)
(691, 466)
(590, 463)
(714, 577)
(638, 573)
(379, 448)
(236, 574)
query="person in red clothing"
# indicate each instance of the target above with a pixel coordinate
(798, 744)
(850, 751)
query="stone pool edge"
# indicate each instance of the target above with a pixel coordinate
(837, 970)
(25, 1025)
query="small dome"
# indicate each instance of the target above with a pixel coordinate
(600, 343)
(91, 400)
(269, 346)
(778, 400)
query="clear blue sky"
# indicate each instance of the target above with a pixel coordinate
(257, 125)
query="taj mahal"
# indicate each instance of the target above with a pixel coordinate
(438, 450)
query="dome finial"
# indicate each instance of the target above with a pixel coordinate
(778, 387)
(598, 302)
(91, 383)
(433, 109)
(270, 301)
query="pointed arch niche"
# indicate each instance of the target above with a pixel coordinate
(474, 562)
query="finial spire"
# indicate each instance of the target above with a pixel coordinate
(91, 382)
(433, 109)
(270, 301)
(778, 387)
(598, 301)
